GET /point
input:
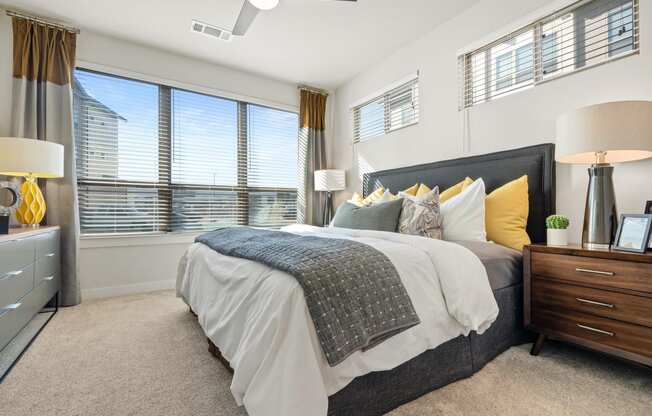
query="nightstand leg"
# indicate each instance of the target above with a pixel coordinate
(536, 348)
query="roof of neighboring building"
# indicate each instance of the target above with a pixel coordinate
(81, 93)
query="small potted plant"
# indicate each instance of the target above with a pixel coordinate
(557, 226)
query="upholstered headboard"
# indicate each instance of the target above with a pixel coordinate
(496, 169)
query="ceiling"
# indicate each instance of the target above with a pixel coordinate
(321, 43)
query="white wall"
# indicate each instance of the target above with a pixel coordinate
(115, 266)
(520, 119)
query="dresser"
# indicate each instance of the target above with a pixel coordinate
(29, 277)
(599, 299)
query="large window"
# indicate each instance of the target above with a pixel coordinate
(585, 34)
(395, 108)
(151, 158)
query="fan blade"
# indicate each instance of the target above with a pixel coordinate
(245, 18)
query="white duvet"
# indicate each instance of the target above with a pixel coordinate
(258, 318)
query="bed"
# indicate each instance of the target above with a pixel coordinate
(376, 392)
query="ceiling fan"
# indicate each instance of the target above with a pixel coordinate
(250, 9)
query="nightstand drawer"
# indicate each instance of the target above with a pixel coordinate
(628, 337)
(551, 295)
(586, 270)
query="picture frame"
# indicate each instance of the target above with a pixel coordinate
(633, 233)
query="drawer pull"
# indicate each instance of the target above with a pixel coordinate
(596, 330)
(592, 302)
(600, 272)
(50, 255)
(10, 307)
(11, 274)
(47, 279)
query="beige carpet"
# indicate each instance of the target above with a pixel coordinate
(146, 355)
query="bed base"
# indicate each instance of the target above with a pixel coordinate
(377, 393)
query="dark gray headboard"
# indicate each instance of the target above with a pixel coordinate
(496, 169)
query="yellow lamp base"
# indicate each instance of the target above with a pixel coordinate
(32, 209)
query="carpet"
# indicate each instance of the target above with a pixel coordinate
(146, 355)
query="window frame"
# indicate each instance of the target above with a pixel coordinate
(542, 72)
(388, 97)
(165, 184)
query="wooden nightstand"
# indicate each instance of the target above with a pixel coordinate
(597, 299)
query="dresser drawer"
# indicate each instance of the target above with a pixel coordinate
(47, 244)
(15, 316)
(551, 295)
(47, 269)
(592, 271)
(15, 255)
(16, 284)
(616, 334)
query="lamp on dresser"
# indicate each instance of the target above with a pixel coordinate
(600, 135)
(329, 181)
(31, 159)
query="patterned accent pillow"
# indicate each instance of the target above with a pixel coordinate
(420, 215)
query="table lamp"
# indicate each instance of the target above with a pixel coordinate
(329, 180)
(30, 159)
(600, 135)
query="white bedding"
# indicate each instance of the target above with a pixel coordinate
(258, 318)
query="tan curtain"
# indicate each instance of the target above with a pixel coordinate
(43, 64)
(312, 155)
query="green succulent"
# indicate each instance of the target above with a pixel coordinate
(557, 222)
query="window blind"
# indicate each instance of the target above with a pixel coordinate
(151, 158)
(392, 110)
(585, 34)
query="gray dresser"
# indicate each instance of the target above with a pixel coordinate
(29, 277)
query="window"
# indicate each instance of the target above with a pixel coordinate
(585, 34)
(393, 109)
(154, 159)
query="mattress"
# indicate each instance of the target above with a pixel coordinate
(504, 265)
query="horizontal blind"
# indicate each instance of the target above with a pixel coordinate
(272, 166)
(152, 158)
(204, 161)
(392, 110)
(122, 181)
(583, 35)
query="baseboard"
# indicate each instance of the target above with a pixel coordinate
(107, 292)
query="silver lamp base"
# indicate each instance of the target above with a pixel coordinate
(600, 217)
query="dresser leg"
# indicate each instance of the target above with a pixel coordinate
(536, 348)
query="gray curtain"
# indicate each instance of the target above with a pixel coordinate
(312, 156)
(44, 60)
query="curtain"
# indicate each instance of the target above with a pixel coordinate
(312, 156)
(43, 64)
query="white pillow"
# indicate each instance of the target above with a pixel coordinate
(464, 214)
(386, 197)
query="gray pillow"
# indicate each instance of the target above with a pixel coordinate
(381, 217)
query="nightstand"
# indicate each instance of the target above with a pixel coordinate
(599, 299)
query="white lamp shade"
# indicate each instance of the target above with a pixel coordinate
(330, 180)
(29, 157)
(621, 129)
(264, 4)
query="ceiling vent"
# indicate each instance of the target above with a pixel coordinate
(210, 30)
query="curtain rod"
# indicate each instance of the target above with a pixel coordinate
(312, 89)
(43, 21)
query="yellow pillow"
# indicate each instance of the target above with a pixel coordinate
(357, 199)
(454, 190)
(412, 190)
(423, 189)
(506, 212)
(375, 195)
